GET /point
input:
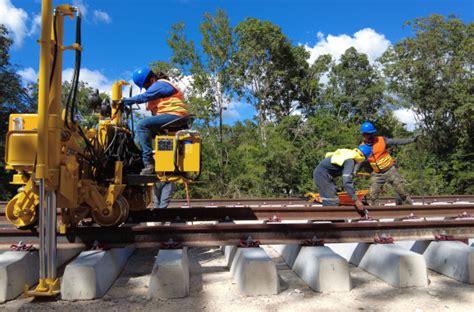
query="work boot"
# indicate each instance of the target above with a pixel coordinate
(149, 169)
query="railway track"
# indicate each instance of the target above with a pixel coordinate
(273, 221)
(294, 212)
(263, 202)
(270, 233)
(221, 202)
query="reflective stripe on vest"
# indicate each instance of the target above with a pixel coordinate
(380, 160)
(174, 104)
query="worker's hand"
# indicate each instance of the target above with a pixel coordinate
(361, 210)
(359, 205)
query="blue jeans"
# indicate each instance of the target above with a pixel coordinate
(146, 129)
(162, 192)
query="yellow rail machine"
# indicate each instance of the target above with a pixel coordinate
(87, 173)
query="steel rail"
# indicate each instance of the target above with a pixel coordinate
(233, 234)
(296, 200)
(270, 233)
(295, 212)
(175, 203)
(298, 213)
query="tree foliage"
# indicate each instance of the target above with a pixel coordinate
(304, 110)
(433, 74)
(355, 88)
(14, 98)
(268, 70)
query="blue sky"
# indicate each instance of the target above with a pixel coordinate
(120, 35)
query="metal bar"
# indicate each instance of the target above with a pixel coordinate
(51, 257)
(42, 230)
(232, 234)
(295, 200)
(296, 213)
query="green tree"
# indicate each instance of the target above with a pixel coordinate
(312, 87)
(210, 84)
(267, 69)
(355, 90)
(432, 73)
(14, 98)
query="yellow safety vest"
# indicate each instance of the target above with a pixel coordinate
(341, 155)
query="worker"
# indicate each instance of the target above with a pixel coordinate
(162, 192)
(166, 103)
(383, 165)
(340, 162)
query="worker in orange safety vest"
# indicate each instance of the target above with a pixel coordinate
(384, 168)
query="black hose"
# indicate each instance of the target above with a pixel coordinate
(77, 68)
(55, 54)
(131, 113)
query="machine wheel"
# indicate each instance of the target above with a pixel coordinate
(23, 217)
(125, 208)
(118, 216)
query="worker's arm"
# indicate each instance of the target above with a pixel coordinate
(159, 89)
(356, 168)
(391, 142)
(347, 170)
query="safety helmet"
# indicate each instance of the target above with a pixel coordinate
(366, 150)
(367, 127)
(140, 75)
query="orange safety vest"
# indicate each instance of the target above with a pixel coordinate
(173, 105)
(380, 160)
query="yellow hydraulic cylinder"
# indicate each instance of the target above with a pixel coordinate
(117, 96)
(43, 89)
(54, 110)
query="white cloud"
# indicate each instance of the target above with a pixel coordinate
(15, 21)
(94, 78)
(28, 74)
(366, 41)
(101, 16)
(232, 111)
(82, 6)
(35, 25)
(406, 116)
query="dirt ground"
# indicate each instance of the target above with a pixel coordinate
(212, 289)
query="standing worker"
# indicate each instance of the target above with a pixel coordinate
(383, 165)
(340, 162)
(166, 103)
(162, 192)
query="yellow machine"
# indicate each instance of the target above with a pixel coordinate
(87, 173)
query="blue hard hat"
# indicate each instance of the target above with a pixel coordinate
(367, 127)
(140, 75)
(366, 150)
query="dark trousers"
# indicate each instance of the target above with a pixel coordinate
(326, 187)
(391, 176)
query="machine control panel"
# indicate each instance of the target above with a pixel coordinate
(165, 144)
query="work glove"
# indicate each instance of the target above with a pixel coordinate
(361, 210)
(359, 205)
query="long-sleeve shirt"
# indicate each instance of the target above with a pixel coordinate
(345, 171)
(389, 142)
(159, 89)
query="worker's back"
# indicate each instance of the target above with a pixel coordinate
(332, 169)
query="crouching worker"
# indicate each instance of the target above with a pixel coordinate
(340, 163)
